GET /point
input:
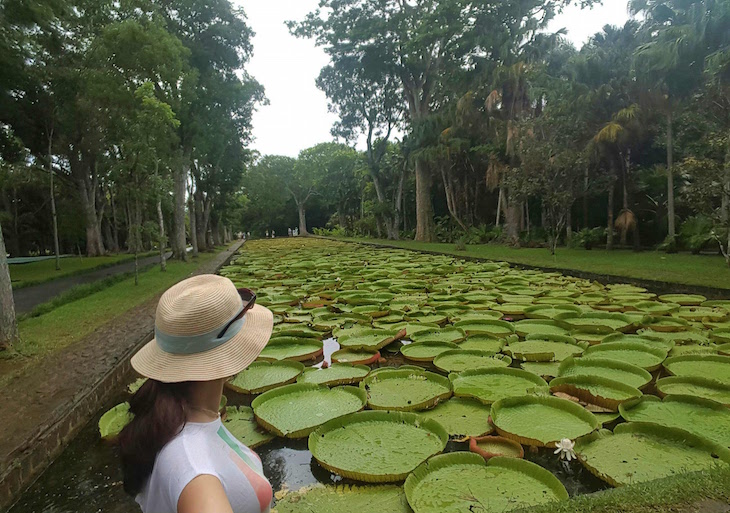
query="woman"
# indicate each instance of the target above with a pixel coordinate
(177, 457)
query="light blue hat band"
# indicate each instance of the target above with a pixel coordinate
(175, 344)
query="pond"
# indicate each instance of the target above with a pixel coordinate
(610, 347)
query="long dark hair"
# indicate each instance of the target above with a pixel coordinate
(159, 414)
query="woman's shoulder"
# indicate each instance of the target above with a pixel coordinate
(189, 449)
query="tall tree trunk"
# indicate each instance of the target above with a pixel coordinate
(161, 240)
(499, 206)
(301, 208)
(609, 229)
(8, 323)
(625, 190)
(425, 227)
(94, 246)
(207, 231)
(670, 175)
(200, 224)
(569, 225)
(114, 221)
(586, 223)
(512, 216)
(51, 172)
(451, 200)
(179, 177)
(193, 216)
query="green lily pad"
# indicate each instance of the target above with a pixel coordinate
(701, 313)
(376, 446)
(136, 385)
(606, 417)
(296, 410)
(694, 386)
(667, 324)
(489, 447)
(490, 385)
(426, 351)
(242, 424)
(291, 348)
(596, 322)
(683, 299)
(616, 370)
(549, 311)
(448, 334)
(371, 340)
(455, 483)
(262, 376)
(541, 420)
(488, 343)
(405, 390)
(603, 392)
(702, 417)
(710, 366)
(355, 356)
(638, 452)
(666, 344)
(334, 499)
(677, 337)
(413, 327)
(461, 417)
(539, 327)
(647, 358)
(335, 374)
(486, 327)
(656, 307)
(539, 348)
(542, 369)
(462, 359)
(114, 420)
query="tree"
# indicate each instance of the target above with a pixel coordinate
(8, 324)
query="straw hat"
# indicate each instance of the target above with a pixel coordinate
(198, 336)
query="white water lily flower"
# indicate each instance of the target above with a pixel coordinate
(565, 448)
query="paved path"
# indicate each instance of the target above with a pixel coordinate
(45, 405)
(28, 298)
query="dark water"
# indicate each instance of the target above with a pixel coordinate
(86, 477)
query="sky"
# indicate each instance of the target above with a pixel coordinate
(297, 116)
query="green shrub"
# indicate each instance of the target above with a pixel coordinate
(588, 237)
(695, 233)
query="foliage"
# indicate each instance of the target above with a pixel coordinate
(588, 237)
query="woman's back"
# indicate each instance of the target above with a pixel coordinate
(206, 449)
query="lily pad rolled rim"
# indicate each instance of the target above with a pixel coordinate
(297, 367)
(361, 357)
(580, 386)
(415, 346)
(497, 440)
(442, 461)
(413, 419)
(402, 373)
(355, 378)
(625, 409)
(694, 381)
(454, 377)
(554, 402)
(385, 337)
(506, 360)
(681, 436)
(294, 389)
(667, 364)
(315, 348)
(606, 363)
(659, 353)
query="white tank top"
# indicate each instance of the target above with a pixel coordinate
(206, 449)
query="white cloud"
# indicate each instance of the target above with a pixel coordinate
(297, 115)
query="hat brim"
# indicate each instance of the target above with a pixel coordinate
(221, 362)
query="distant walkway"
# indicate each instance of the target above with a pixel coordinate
(26, 299)
(28, 260)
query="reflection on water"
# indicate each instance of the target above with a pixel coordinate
(86, 477)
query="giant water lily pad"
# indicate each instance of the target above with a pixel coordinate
(541, 420)
(540, 327)
(114, 420)
(370, 340)
(405, 390)
(656, 307)
(647, 358)
(296, 410)
(709, 366)
(447, 334)
(694, 386)
(705, 418)
(490, 385)
(603, 392)
(596, 322)
(262, 376)
(677, 337)
(335, 374)
(550, 311)
(616, 370)
(461, 417)
(683, 299)
(335, 499)
(355, 356)
(544, 348)
(291, 348)
(542, 369)
(486, 327)
(242, 424)
(702, 313)
(376, 446)
(462, 359)
(667, 324)
(488, 343)
(664, 343)
(637, 452)
(426, 351)
(461, 482)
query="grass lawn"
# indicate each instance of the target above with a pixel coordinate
(698, 492)
(25, 275)
(686, 269)
(73, 321)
